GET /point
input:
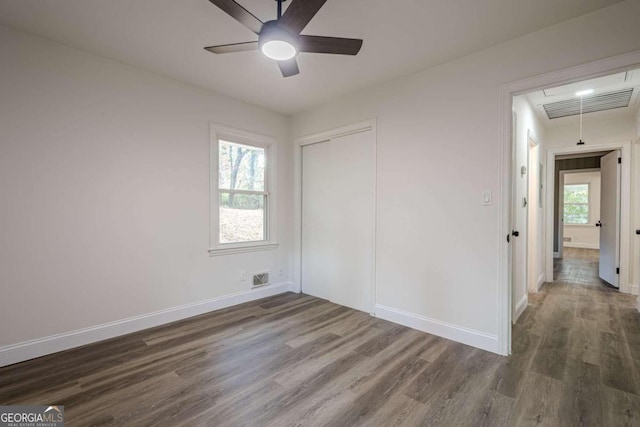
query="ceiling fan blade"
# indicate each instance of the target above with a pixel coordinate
(234, 47)
(289, 67)
(335, 45)
(240, 14)
(299, 13)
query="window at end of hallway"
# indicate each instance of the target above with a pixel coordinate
(576, 204)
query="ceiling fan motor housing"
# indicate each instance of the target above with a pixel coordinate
(272, 31)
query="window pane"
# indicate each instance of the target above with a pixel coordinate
(241, 167)
(242, 217)
(576, 214)
(576, 193)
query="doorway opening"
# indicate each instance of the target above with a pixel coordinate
(587, 219)
(571, 169)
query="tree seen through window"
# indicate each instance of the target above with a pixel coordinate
(576, 204)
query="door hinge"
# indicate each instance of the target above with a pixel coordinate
(619, 160)
(618, 270)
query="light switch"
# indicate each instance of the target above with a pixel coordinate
(487, 198)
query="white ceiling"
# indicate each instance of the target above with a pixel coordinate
(606, 84)
(400, 37)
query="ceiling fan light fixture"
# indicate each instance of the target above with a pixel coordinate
(280, 50)
(276, 43)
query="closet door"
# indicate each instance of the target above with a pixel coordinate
(338, 220)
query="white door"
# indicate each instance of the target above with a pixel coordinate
(338, 220)
(610, 218)
(317, 223)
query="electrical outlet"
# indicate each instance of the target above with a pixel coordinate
(281, 272)
(243, 276)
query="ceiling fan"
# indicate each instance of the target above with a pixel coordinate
(280, 39)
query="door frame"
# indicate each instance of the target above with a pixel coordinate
(368, 125)
(625, 205)
(561, 175)
(532, 143)
(506, 92)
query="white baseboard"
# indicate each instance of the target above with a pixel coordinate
(540, 282)
(634, 288)
(52, 344)
(581, 245)
(520, 307)
(447, 330)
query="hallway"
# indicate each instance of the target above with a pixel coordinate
(578, 347)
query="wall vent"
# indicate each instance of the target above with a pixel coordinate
(261, 279)
(590, 104)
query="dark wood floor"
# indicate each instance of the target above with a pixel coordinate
(298, 360)
(578, 265)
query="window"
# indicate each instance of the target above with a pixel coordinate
(576, 204)
(240, 195)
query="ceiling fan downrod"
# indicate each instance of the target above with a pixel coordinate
(280, 8)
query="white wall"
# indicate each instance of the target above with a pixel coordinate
(104, 182)
(594, 132)
(588, 235)
(607, 131)
(528, 219)
(439, 149)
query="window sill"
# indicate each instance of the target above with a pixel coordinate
(238, 249)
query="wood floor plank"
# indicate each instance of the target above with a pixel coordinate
(364, 408)
(399, 411)
(616, 369)
(584, 341)
(541, 402)
(380, 342)
(440, 375)
(620, 408)
(511, 371)
(498, 411)
(316, 363)
(582, 387)
(551, 356)
(342, 395)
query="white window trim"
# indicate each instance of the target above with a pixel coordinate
(217, 133)
(589, 205)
